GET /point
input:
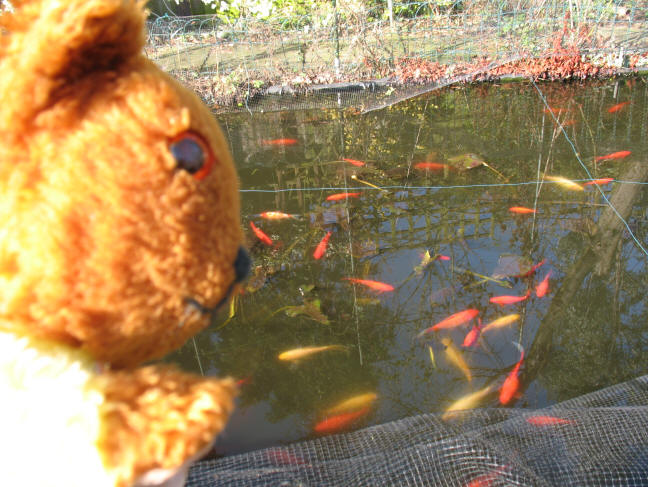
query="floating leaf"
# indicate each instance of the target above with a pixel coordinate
(466, 161)
(512, 266)
(310, 309)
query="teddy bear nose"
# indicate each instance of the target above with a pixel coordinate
(242, 264)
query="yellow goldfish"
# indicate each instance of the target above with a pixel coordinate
(303, 352)
(353, 403)
(454, 356)
(468, 401)
(566, 183)
(501, 322)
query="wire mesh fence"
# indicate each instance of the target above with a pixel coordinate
(334, 50)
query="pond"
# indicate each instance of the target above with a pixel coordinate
(441, 232)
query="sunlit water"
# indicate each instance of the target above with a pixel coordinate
(588, 332)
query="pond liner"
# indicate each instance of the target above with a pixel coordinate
(599, 438)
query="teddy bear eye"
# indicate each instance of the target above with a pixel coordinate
(192, 154)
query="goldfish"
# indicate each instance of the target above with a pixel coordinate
(244, 381)
(512, 382)
(275, 215)
(521, 210)
(599, 181)
(277, 456)
(260, 234)
(453, 320)
(543, 287)
(501, 322)
(547, 420)
(431, 352)
(303, 352)
(353, 403)
(430, 166)
(339, 421)
(321, 247)
(473, 335)
(341, 196)
(566, 183)
(354, 162)
(618, 106)
(377, 286)
(614, 155)
(454, 356)
(533, 268)
(280, 142)
(504, 300)
(467, 402)
(485, 480)
(442, 257)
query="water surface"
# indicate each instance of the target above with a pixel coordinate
(587, 333)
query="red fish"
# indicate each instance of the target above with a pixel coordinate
(547, 420)
(485, 480)
(342, 196)
(618, 106)
(275, 215)
(614, 155)
(321, 247)
(504, 300)
(278, 456)
(280, 142)
(430, 166)
(378, 286)
(512, 382)
(244, 381)
(260, 234)
(599, 181)
(355, 162)
(521, 210)
(542, 288)
(532, 269)
(473, 335)
(339, 421)
(442, 257)
(453, 320)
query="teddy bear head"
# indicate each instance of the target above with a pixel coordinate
(119, 216)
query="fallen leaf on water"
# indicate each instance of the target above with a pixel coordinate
(310, 309)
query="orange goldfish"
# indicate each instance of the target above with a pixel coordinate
(614, 155)
(504, 300)
(321, 247)
(303, 352)
(532, 269)
(339, 421)
(355, 162)
(599, 181)
(275, 215)
(512, 382)
(442, 257)
(542, 288)
(485, 480)
(555, 111)
(473, 335)
(430, 166)
(618, 106)
(521, 210)
(341, 196)
(260, 234)
(547, 420)
(280, 142)
(453, 320)
(380, 287)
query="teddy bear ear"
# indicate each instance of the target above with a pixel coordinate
(51, 44)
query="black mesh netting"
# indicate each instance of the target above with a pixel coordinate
(600, 438)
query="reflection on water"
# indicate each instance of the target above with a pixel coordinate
(441, 233)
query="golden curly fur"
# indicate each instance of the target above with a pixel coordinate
(103, 239)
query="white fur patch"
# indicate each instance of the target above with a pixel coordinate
(49, 415)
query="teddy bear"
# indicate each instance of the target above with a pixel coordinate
(119, 237)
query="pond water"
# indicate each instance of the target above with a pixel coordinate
(589, 330)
